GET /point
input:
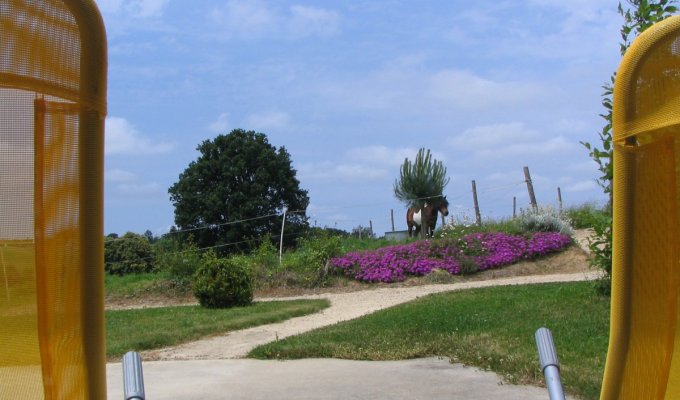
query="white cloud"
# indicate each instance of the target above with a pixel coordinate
(119, 176)
(570, 125)
(244, 18)
(109, 6)
(123, 138)
(140, 189)
(404, 84)
(582, 186)
(328, 171)
(586, 167)
(267, 120)
(494, 135)
(254, 19)
(308, 21)
(220, 125)
(466, 90)
(543, 147)
(148, 8)
(382, 155)
(359, 172)
(127, 184)
(369, 163)
(507, 139)
(133, 8)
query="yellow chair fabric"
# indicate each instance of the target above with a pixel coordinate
(643, 361)
(52, 109)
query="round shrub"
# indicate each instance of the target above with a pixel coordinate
(129, 254)
(223, 282)
(545, 219)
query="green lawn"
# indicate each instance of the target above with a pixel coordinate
(491, 328)
(152, 328)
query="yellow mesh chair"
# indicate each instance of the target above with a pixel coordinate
(643, 361)
(52, 108)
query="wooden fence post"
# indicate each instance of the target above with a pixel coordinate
(392, 217)
(478, 216)
(530, 188)
(559, 199)
(370, 225)
(514, 207)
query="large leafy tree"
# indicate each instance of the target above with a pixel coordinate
(131, 253)
(637, 18)
(236, 191)
(420, 180)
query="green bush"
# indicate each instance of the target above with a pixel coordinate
(600, 245)
(179, 260)
(129, 254)
(587, 216)
(545, 219)
(511, 226)
(307, 265)
(461, 226)
(264, 261)
(223, 282)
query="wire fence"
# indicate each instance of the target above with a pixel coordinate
(460, 211)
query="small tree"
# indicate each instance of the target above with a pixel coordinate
(420, 181)
(131, 253)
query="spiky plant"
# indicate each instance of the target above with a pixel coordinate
(421, 180)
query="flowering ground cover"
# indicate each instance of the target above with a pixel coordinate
(473, 252)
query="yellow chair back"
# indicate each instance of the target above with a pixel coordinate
(643, 361)
(52, 109)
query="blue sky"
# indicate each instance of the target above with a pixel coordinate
(351, 88)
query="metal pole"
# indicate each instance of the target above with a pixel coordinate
(283, 224)
(133, 377)
(550, 365)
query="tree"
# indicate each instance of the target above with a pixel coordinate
(637, 19)
(131, 253)
(150, 237)
(420, 181)
(236, 191)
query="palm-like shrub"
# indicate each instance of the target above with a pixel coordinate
(424, 178)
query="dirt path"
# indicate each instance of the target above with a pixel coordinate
(567, 266)
(344, 306)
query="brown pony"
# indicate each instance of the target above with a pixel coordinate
(426, 216)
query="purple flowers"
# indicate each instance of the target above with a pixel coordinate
(486, 250)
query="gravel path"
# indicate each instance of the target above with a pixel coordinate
(344, 306)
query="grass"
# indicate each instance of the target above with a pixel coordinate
(151, 328)
(132, 284)
(490, 328)
(587, 215)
